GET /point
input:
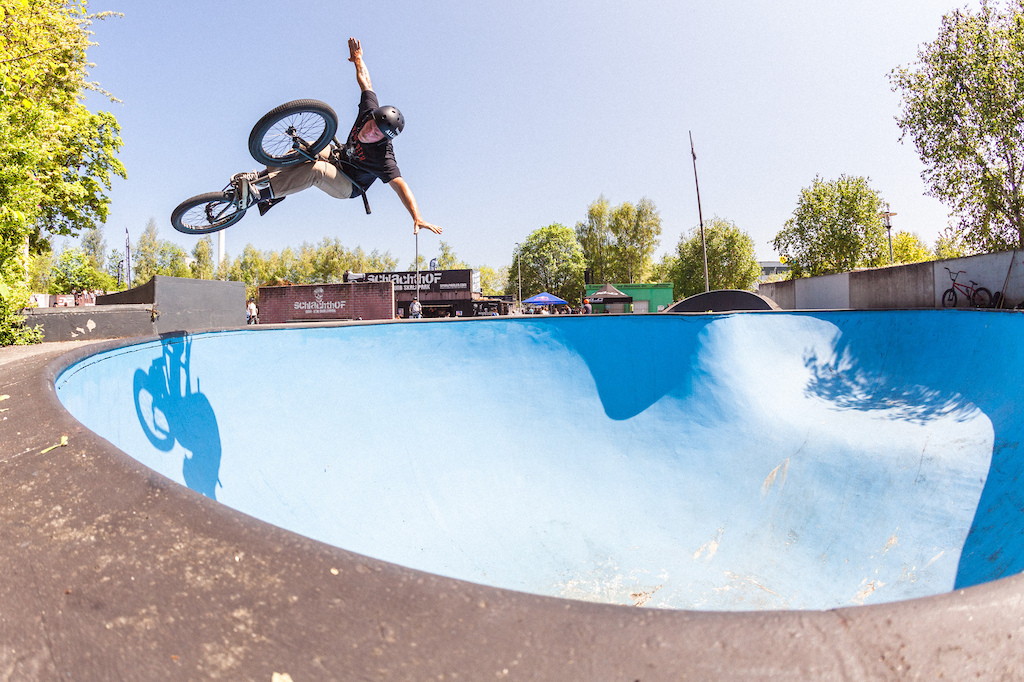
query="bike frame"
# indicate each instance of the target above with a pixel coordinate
(968, 291)
(335, 147)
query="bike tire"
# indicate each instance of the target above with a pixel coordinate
(206, 213)
(949, 298)
(314, 122)
(982, 298)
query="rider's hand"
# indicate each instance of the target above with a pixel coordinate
(355, 51)
(420, 224)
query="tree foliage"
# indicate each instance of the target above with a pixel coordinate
(95, 246)
(202, 259)
(619, 242)
(56, 157)
(595, 238)
(636, 230)
(907, 247)
(732, 262)
(951, 244)
(154, 256)
(447, 260)
(836, 227)
(74, 271)
(551, 261)
(963, 108)
(325, 262)
(493, 282)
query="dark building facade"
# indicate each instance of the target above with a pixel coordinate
(442, 293)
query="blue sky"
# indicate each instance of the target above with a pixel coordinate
(519, 115)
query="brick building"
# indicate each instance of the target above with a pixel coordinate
(312, 302)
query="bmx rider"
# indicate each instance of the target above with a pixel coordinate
(366, 156)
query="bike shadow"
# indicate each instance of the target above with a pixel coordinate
(170, 412)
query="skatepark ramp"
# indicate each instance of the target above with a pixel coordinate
(755, 461)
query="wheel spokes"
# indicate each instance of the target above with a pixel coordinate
(279, 141)
(207, 215)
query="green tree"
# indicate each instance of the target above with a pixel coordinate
(907, 247)
(662, 270)
(552, 261)
(950, 244)
(154, 256)
(202, 259)
(595, 238)
(836, 227)
(963, 108)
(56, 157)
(330, 261)
(732, 263)
(618, 242)
(94, 246)
(251, 268)
(39, 272)
(115, 268)
(447, 260)
(636, 230)
(72, 272)
(493, 282)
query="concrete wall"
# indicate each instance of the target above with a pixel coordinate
(830, 292)
(92, 322)
(161, 305)
(918, 285)
(906, 286)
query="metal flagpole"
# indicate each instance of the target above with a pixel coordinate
(127, 258)
(703, 242)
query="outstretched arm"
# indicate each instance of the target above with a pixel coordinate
(405, 194)
(355, 55)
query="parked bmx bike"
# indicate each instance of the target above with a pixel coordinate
(293, 133)
(978, 297)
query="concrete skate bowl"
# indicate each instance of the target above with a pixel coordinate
(747, 462)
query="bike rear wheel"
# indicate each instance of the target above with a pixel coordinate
(309, 123)
(207, 213)
(982, 298)
(949, 299)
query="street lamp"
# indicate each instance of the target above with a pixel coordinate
(887, 222)
(519, 265)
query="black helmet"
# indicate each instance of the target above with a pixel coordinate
(389, 120)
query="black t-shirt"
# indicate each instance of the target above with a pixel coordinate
(364, 163)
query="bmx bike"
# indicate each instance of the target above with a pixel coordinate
(978, 297)
(293, 133)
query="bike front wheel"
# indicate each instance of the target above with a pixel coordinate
(982, 298)
(949, 299)
(207, 213)
(291, 133)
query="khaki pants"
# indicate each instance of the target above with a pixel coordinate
(322, 173)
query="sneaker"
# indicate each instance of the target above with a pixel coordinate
(245, 185)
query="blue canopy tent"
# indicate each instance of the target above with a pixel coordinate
(544, 298)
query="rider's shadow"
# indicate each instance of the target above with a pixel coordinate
(170, 412)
